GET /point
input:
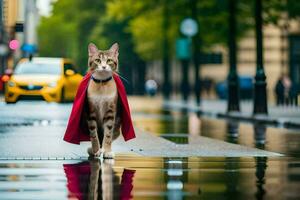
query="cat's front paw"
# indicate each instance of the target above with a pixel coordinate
(108, 155)
(94, 154)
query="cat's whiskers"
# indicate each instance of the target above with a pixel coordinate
(122, 77)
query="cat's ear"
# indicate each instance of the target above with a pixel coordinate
(115, 50)
(92, 49)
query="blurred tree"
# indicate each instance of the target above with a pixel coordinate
(145, 19)
(137, 26)
(67, 31)
(57, 34)
(56, 38)
(275, 9)
(293, 7)
(74, 24)
(89, 13)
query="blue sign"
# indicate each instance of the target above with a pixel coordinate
(30, 48)
(183, 48)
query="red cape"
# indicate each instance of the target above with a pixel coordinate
(77, 129)
(78, 180)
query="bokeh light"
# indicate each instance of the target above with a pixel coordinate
(14, 44)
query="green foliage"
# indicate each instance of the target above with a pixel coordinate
(67, 31)
(146, 17)
(144, 23)
(57, 39)
(74, 24)
(138, 25)
(274, 10)
(293, 7)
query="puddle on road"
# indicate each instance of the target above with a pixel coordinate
(153, 178)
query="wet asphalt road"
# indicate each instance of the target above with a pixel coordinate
(34, 130)
(33, 113)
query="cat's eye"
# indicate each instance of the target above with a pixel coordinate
(110, 61)
(97, 60)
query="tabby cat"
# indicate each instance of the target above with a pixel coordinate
(104, 110)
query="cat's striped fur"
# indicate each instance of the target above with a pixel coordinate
(103, 116)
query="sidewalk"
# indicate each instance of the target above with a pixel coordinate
(281, 116)
(41, 127)
(50, 146)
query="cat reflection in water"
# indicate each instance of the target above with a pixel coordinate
(97, 179)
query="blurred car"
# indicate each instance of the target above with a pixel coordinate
(50, 79)
(4, 78)
(246, 88)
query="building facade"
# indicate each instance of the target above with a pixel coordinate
(281, 56)
(24, 14)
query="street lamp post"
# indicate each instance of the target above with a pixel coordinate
(233, 103)
(189, 28)
(183, 53)
(185, 87)
(166, 69)
(260, 91)
(196, 53)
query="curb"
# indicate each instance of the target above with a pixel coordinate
(278, 122)
(291, 125)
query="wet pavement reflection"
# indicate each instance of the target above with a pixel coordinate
(152, 178)
(172, 178)
(178, 126)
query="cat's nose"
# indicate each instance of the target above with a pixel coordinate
(104, 67)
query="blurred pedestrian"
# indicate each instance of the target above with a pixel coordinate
(151, 87)
(293, 94)
(207, 84)
(279, 91)
(287, 84)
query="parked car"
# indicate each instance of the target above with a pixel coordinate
(246, 88)
(50, 79)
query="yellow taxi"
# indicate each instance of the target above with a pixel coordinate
(50, 79)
